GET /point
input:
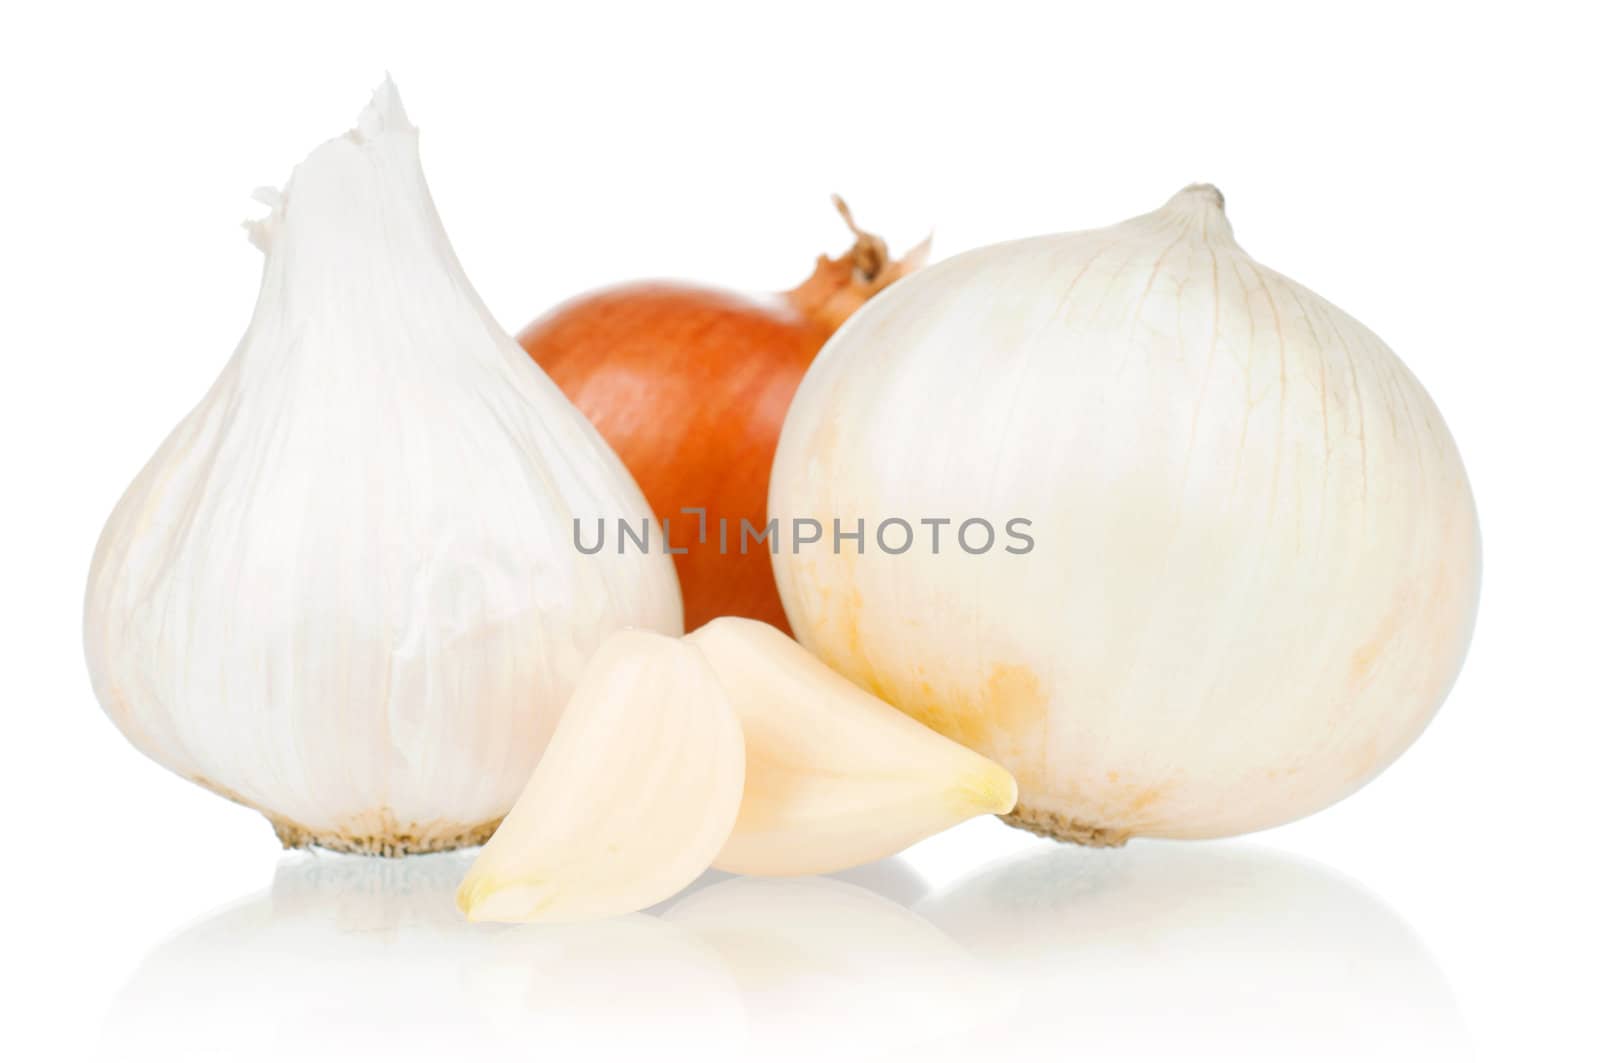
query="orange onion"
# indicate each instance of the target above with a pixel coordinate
(690, 386)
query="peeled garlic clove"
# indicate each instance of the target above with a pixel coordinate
(344, 592)
(834, 777)
(667, 743)
(634, 797)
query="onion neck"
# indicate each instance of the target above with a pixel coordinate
(838, 287)
(1198, 208)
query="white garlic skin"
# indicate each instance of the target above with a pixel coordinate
(344, 591)
(1256, 559)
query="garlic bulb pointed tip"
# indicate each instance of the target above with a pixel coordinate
(383, 113)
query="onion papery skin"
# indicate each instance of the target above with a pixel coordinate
(1256, 559)
(690, 385)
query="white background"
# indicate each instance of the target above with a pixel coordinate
(1430, 170)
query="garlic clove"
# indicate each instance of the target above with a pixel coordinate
(834, 777)
(635, 795)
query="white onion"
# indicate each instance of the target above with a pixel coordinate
(1256, 558)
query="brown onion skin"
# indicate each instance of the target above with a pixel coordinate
(690, 386)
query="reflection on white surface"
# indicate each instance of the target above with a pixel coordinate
(352, 957)
(1198, 951)
(1190, 952)
(347, 957)
(829, 970)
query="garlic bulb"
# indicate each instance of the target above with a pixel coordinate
(344, 590)
(1240, 559)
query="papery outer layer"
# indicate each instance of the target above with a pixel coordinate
(1256, 558)
(345, 591)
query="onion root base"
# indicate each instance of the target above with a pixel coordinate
(1065, 829)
